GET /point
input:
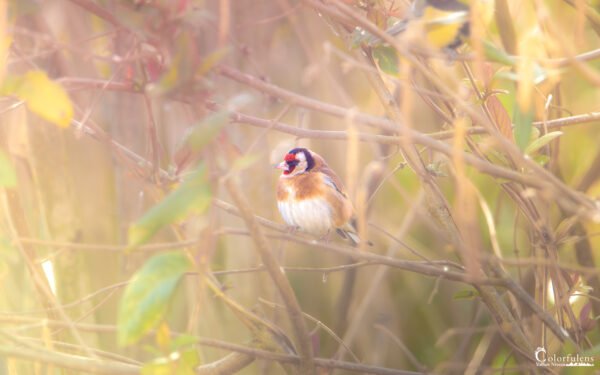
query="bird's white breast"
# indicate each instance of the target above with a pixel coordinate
(310, 215)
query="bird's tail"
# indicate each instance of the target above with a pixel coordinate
(349, 232)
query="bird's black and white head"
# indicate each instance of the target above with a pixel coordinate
(296, 161)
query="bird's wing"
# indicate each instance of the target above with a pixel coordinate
(329, 176)
(331, 181)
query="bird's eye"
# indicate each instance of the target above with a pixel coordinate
(292, 163)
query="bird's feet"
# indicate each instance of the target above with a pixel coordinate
(292, 229)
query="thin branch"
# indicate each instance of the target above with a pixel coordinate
(304, 101)
(288, 296)
(293, 359)
(480, 164)
(32, 322)
(429, 268)
(79, 83)
(107, 367)
(77, 349)
(411, 357)
(231, 209)
(318, 323)
(69, 361)
(48, 299)
(570, 199)
(107, 247)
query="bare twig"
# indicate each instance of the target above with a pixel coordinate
(571, 200)
(411, 357)
(69, 361)
(263, 247)
(319, 362)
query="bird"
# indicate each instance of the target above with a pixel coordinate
(311, 197)
(445, 22)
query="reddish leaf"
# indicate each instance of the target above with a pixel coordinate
(487, 74)
(500, 116)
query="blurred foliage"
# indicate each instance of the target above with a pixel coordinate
(147, 295)
(193, 196)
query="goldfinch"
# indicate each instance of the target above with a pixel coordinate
(445, 23)
(311, 197)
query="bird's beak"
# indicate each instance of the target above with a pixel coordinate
(283, 166)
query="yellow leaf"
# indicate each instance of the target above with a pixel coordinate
(163, 336)
(532, 48)
(45, 98)
(506, 27)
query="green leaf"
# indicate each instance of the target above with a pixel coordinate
(146, 298)
(541, 159)
(360, 36)
(542, 141)
(497, 55)
(508, 76)
(387, 59)
(192, 196)
(523, 124)
(539, 75)
(204, 132)
(44, 97)
(465, 294)
(183, 341)
(188, 362)
(8, 176)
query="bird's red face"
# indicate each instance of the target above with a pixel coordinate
(289, 163)
(296, 161)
